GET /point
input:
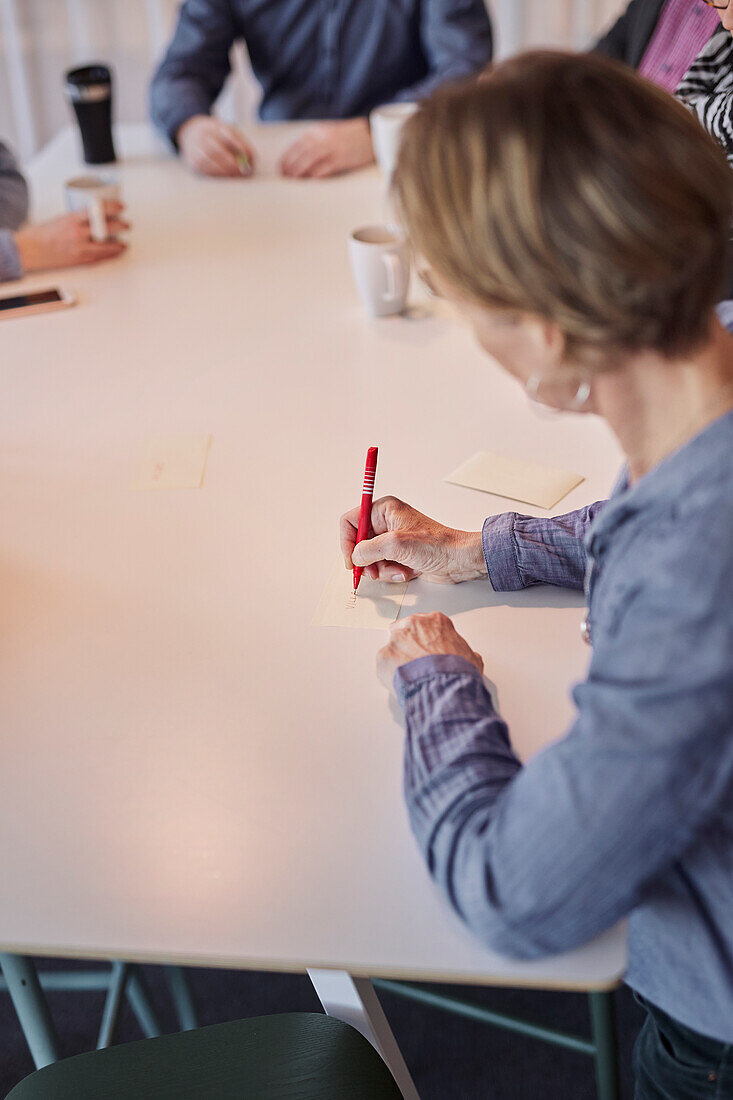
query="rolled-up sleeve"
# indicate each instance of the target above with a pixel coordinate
(522, 550)
(541, 858)
(457, 42)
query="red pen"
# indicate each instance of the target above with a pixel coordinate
(365, 514)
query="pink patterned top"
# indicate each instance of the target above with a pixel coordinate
(681, 32)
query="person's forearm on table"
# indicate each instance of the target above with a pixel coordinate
(542, 858)
(173, 101)
(521, 896)
(195, 67)
(523, 550)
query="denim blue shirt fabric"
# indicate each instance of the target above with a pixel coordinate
(631, 812)
(13, 212)
(319, 58)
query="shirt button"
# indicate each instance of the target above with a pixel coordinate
(585, 631)
(712, 1077)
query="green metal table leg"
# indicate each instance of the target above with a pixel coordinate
(31, 1008)
(603, 1023)
(137, 995)
(116, 991)
(182, 998)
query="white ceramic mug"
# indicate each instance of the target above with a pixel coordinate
(386, 125)
(90, 193)
(380, 261)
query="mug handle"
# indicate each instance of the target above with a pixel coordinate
(394, 269)
(97, 220)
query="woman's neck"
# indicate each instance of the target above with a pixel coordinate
(655, 405)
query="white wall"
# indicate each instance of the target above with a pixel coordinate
(39, 39)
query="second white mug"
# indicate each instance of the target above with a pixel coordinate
(380, 261)
(386, 125)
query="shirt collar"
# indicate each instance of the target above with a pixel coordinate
(707, 453)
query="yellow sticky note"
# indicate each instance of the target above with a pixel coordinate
(528, 482)
(377, 603)
(173, 462)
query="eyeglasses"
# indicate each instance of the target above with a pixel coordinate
(427, 279)
(712, 4)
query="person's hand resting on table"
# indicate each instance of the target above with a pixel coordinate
(407, 544)
(328, 149)
(213, 148)
(66, 241)
(417, 636)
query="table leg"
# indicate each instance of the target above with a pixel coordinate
(354, 1001)
(603, 1023)
(182, 998)
(31, 1008)
(137, 995)
(119, 977)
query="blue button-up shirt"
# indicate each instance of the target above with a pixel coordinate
(631, 813)
(319, 58)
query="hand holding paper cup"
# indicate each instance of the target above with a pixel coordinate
(380, 261)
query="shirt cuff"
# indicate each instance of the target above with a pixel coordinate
(409, 677)
(175, 105)
(10, 266)
(500, 552)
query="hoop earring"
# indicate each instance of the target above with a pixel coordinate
(576, 404)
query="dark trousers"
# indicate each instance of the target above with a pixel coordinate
(671, 1062)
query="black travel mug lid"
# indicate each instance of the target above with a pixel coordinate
(89, 84)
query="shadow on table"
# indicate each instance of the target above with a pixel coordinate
(423, 597)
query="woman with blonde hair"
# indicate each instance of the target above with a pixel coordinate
(578, 218)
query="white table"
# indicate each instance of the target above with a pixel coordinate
(191, 771)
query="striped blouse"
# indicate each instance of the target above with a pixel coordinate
(707, 89)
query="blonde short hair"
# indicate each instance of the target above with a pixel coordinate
(567, 186)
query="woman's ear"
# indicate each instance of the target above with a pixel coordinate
(548, 340)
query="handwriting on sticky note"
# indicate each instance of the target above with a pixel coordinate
(173, 462)
(375, 606)
(511, 477)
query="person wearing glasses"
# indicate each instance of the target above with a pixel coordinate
(707, 87)
(61, 242)
(660, 38)
(588, 260)
(328, 62)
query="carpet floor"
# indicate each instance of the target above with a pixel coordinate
(450, 1058)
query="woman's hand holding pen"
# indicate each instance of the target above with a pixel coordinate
(407, 544)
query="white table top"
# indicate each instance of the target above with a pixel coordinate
(191, 771)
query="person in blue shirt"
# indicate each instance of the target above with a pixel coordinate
(578, 217)
(328, 62)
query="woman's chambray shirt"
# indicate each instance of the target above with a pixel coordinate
(631, 813)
